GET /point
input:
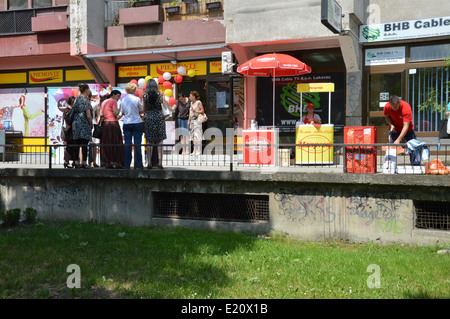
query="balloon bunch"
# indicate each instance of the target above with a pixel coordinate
(165, 80)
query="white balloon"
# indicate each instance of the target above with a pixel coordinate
(167, 98)
(167, 76)
(181, 70)
(141, 82)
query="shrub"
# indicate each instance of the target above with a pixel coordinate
(30, 215)
(10, 217)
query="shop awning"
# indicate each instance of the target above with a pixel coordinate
(164, 52)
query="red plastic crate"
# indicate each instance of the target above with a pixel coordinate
(360, 134)
(361, 161)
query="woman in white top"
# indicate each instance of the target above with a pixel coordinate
(310, 117)
(132, 126)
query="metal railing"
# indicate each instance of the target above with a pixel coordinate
(328, 158)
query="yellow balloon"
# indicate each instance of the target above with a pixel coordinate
(168, 92)
(191, 73)
(148, 78)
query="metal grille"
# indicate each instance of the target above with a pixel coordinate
(224, 207)
(432, 215)
(16, 21)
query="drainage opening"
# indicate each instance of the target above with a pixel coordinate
(223, 207)
(432, 215)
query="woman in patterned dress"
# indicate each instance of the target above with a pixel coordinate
(155, 125)
(196, 130)
(82, 125)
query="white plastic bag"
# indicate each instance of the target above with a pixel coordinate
(390, 161)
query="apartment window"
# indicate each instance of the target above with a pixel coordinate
(17, 4)
(430, 52)
(42, 3)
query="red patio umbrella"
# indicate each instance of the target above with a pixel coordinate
(275, 65)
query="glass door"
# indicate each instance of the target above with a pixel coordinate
(381, 87)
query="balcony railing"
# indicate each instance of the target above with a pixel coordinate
(342, 158)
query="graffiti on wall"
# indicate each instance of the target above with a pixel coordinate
(68, 198)
(306, 207)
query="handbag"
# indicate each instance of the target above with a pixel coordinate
(98, 131)
(202, 118)
(66, 133)
(165, 111)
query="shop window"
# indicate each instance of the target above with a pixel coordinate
(17, 4)
(430, 52)
(428, 83)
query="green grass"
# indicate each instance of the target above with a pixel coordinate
(176, 263)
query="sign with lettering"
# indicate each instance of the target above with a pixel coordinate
(315, 87)
(215, 67)
(385, 56)
(311, 134)
(259, 147)
(157, 70)
(133, 71)
(45, 76)
(411, 29)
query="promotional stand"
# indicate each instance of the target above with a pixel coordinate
(314, 134)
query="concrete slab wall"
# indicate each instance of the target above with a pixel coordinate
(355, 207)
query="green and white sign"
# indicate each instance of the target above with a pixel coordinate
(401, 30)
(384, 56)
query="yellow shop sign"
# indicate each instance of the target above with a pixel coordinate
(315, 87)
(46, 76)
(133, 71)
(157, 70)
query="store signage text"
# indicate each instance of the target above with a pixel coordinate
(49, 76)
(132, 71)
(405, 30)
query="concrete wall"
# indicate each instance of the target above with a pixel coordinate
(313, 206)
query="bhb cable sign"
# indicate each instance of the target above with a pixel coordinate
(423, 28)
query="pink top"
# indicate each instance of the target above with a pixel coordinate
(107, 108)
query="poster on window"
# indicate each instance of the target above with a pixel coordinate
(289, 109)
(23, 109)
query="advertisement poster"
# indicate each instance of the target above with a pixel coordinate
(23, 110)
(289, 109)
(260, 148)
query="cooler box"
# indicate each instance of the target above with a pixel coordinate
(361, 159)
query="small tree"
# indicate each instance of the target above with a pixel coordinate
(30, 215)
(432, 102)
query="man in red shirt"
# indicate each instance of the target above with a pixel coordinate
(398, 115)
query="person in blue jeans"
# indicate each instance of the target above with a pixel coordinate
(133, 127)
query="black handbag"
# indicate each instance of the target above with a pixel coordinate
(98, 131)
(443, 129)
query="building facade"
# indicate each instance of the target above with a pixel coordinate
(379, 51)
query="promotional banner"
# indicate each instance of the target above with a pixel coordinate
(260, 148)
(311, 134)
(289, 109)
(23, 110)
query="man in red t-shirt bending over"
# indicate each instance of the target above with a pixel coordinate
(398, 115)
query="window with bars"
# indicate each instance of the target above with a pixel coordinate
(432, 215)
(426, 83)
(220, 207)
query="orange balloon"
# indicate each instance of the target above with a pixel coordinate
(76, 92)
(178, 78)
(139, 92)
(161, 79)
(167, 85)
(172, 101)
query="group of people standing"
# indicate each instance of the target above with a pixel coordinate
(115, 151)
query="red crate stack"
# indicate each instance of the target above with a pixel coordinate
(361, 159)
